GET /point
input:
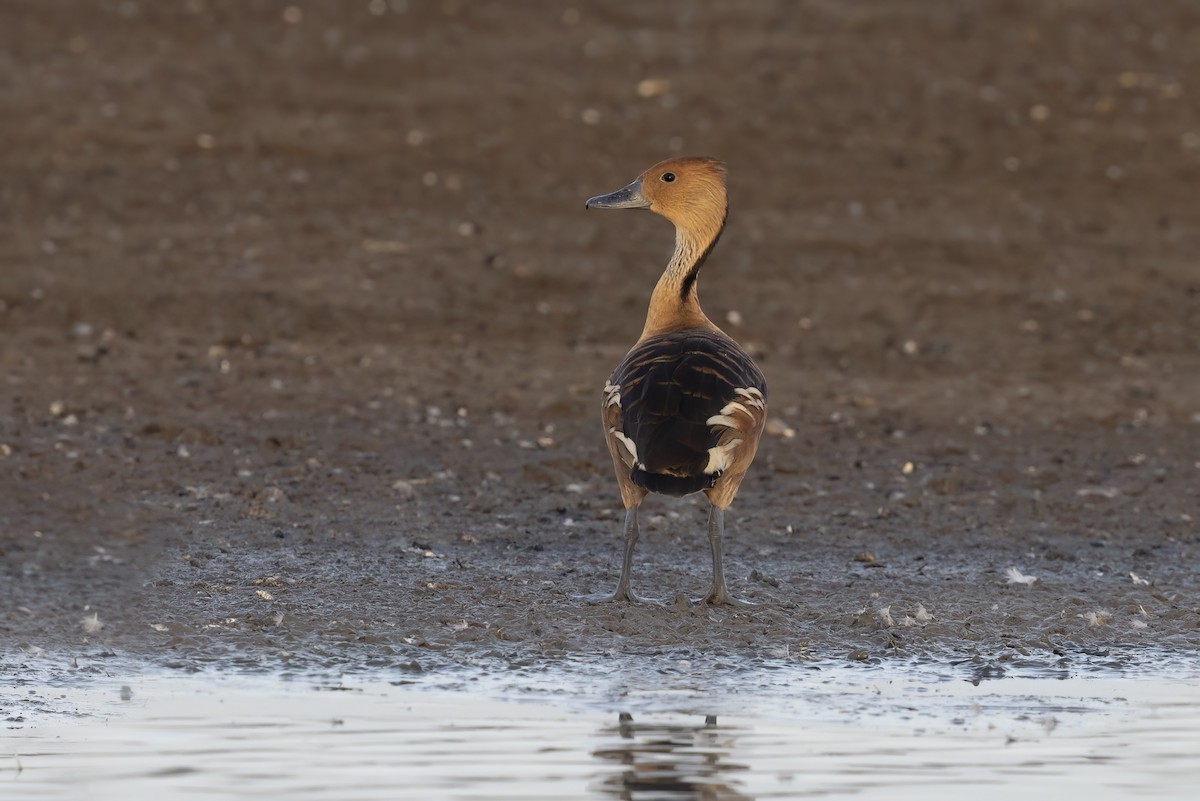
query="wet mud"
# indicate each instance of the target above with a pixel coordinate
(303, 328)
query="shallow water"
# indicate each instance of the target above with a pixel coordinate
(634, 732)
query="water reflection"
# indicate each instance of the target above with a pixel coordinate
(673, 761)
(884, 735)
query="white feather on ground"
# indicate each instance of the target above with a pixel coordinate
(91, 625)
(1015, 576)
(1100, 617)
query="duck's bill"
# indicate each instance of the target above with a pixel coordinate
(629, 197)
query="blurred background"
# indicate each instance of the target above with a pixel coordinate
(326, 265)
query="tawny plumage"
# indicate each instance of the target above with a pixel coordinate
(685, 409)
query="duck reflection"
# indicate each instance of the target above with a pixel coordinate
(673, 761)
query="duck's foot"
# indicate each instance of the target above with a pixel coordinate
(722, 597)
(625, 595)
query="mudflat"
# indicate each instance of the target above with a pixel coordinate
(303, 329)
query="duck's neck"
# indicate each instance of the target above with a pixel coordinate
(675, 304)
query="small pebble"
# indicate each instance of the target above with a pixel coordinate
(653, 87)
(778, 428)
(1128, 80)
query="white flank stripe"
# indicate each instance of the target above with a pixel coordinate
(718, 457)
(626, 441)
(613, 395)
(723, 420)
(753, 397)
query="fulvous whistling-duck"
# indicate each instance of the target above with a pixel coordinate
(685, 409)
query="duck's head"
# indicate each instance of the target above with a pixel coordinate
(688, 191)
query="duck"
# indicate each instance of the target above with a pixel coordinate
(685, 409)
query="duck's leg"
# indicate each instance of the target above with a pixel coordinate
(632, 532)
(623, 591)
(719, 594)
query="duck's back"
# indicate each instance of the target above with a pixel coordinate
(682, 399)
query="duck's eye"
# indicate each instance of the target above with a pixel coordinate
(668, 177)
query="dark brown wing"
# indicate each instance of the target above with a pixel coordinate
(685, 397)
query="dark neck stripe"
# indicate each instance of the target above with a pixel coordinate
(689, 278)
